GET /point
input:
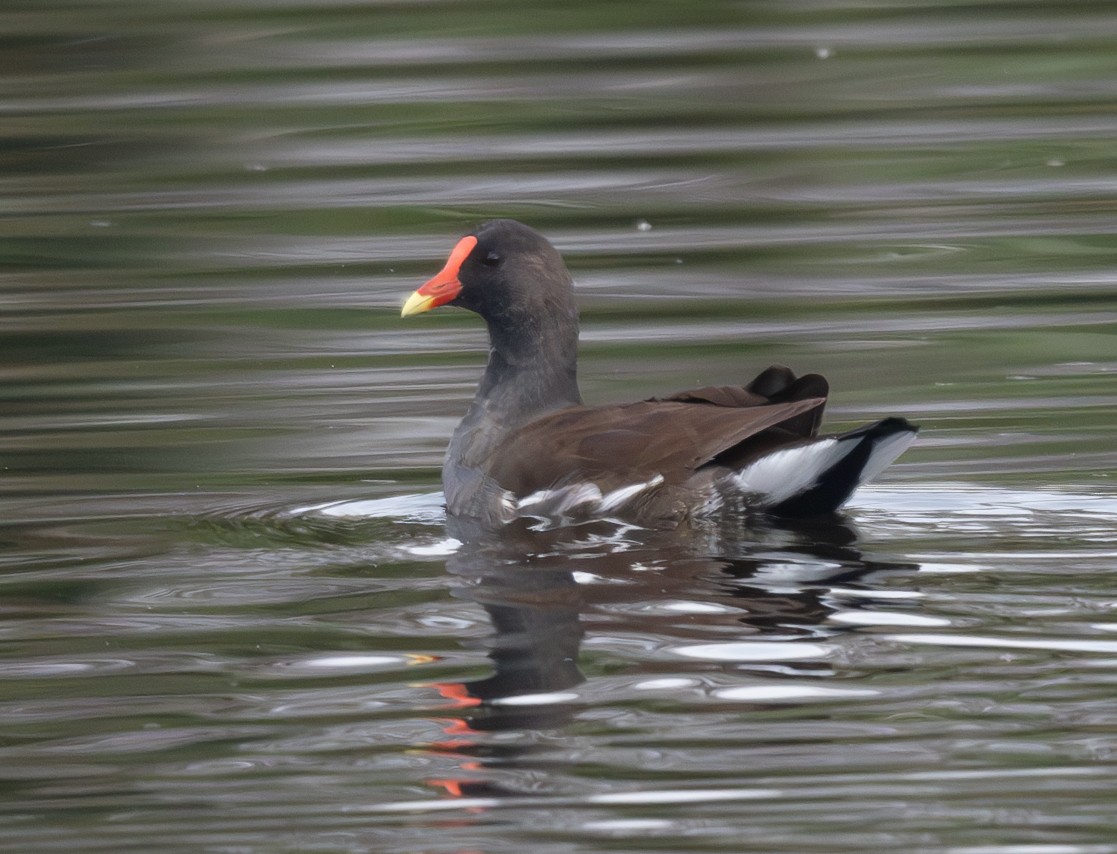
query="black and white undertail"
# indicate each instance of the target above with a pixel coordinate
(816, 477)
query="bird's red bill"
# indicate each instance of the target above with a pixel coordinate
(445, 285)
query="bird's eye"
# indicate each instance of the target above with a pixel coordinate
(491, 259)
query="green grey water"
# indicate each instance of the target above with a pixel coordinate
(232, 617)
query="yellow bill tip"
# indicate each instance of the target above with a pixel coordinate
(417, 303)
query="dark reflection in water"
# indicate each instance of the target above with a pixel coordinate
(742, 581)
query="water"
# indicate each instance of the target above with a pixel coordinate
(233, 617)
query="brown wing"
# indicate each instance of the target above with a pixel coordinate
(616, 445)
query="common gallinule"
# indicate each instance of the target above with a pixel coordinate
(529, 447)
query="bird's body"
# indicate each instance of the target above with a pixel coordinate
(529, 447)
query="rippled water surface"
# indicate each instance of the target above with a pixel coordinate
(233, 618)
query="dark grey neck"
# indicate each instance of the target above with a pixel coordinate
(532, 369)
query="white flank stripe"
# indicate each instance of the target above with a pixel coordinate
(618, 496)
(555, 502)
(559, 502)
(782, 474)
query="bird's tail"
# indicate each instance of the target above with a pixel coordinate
(816, 477)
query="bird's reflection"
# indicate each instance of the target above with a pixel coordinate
(737, 580)
(539, 588)
(534, 604)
